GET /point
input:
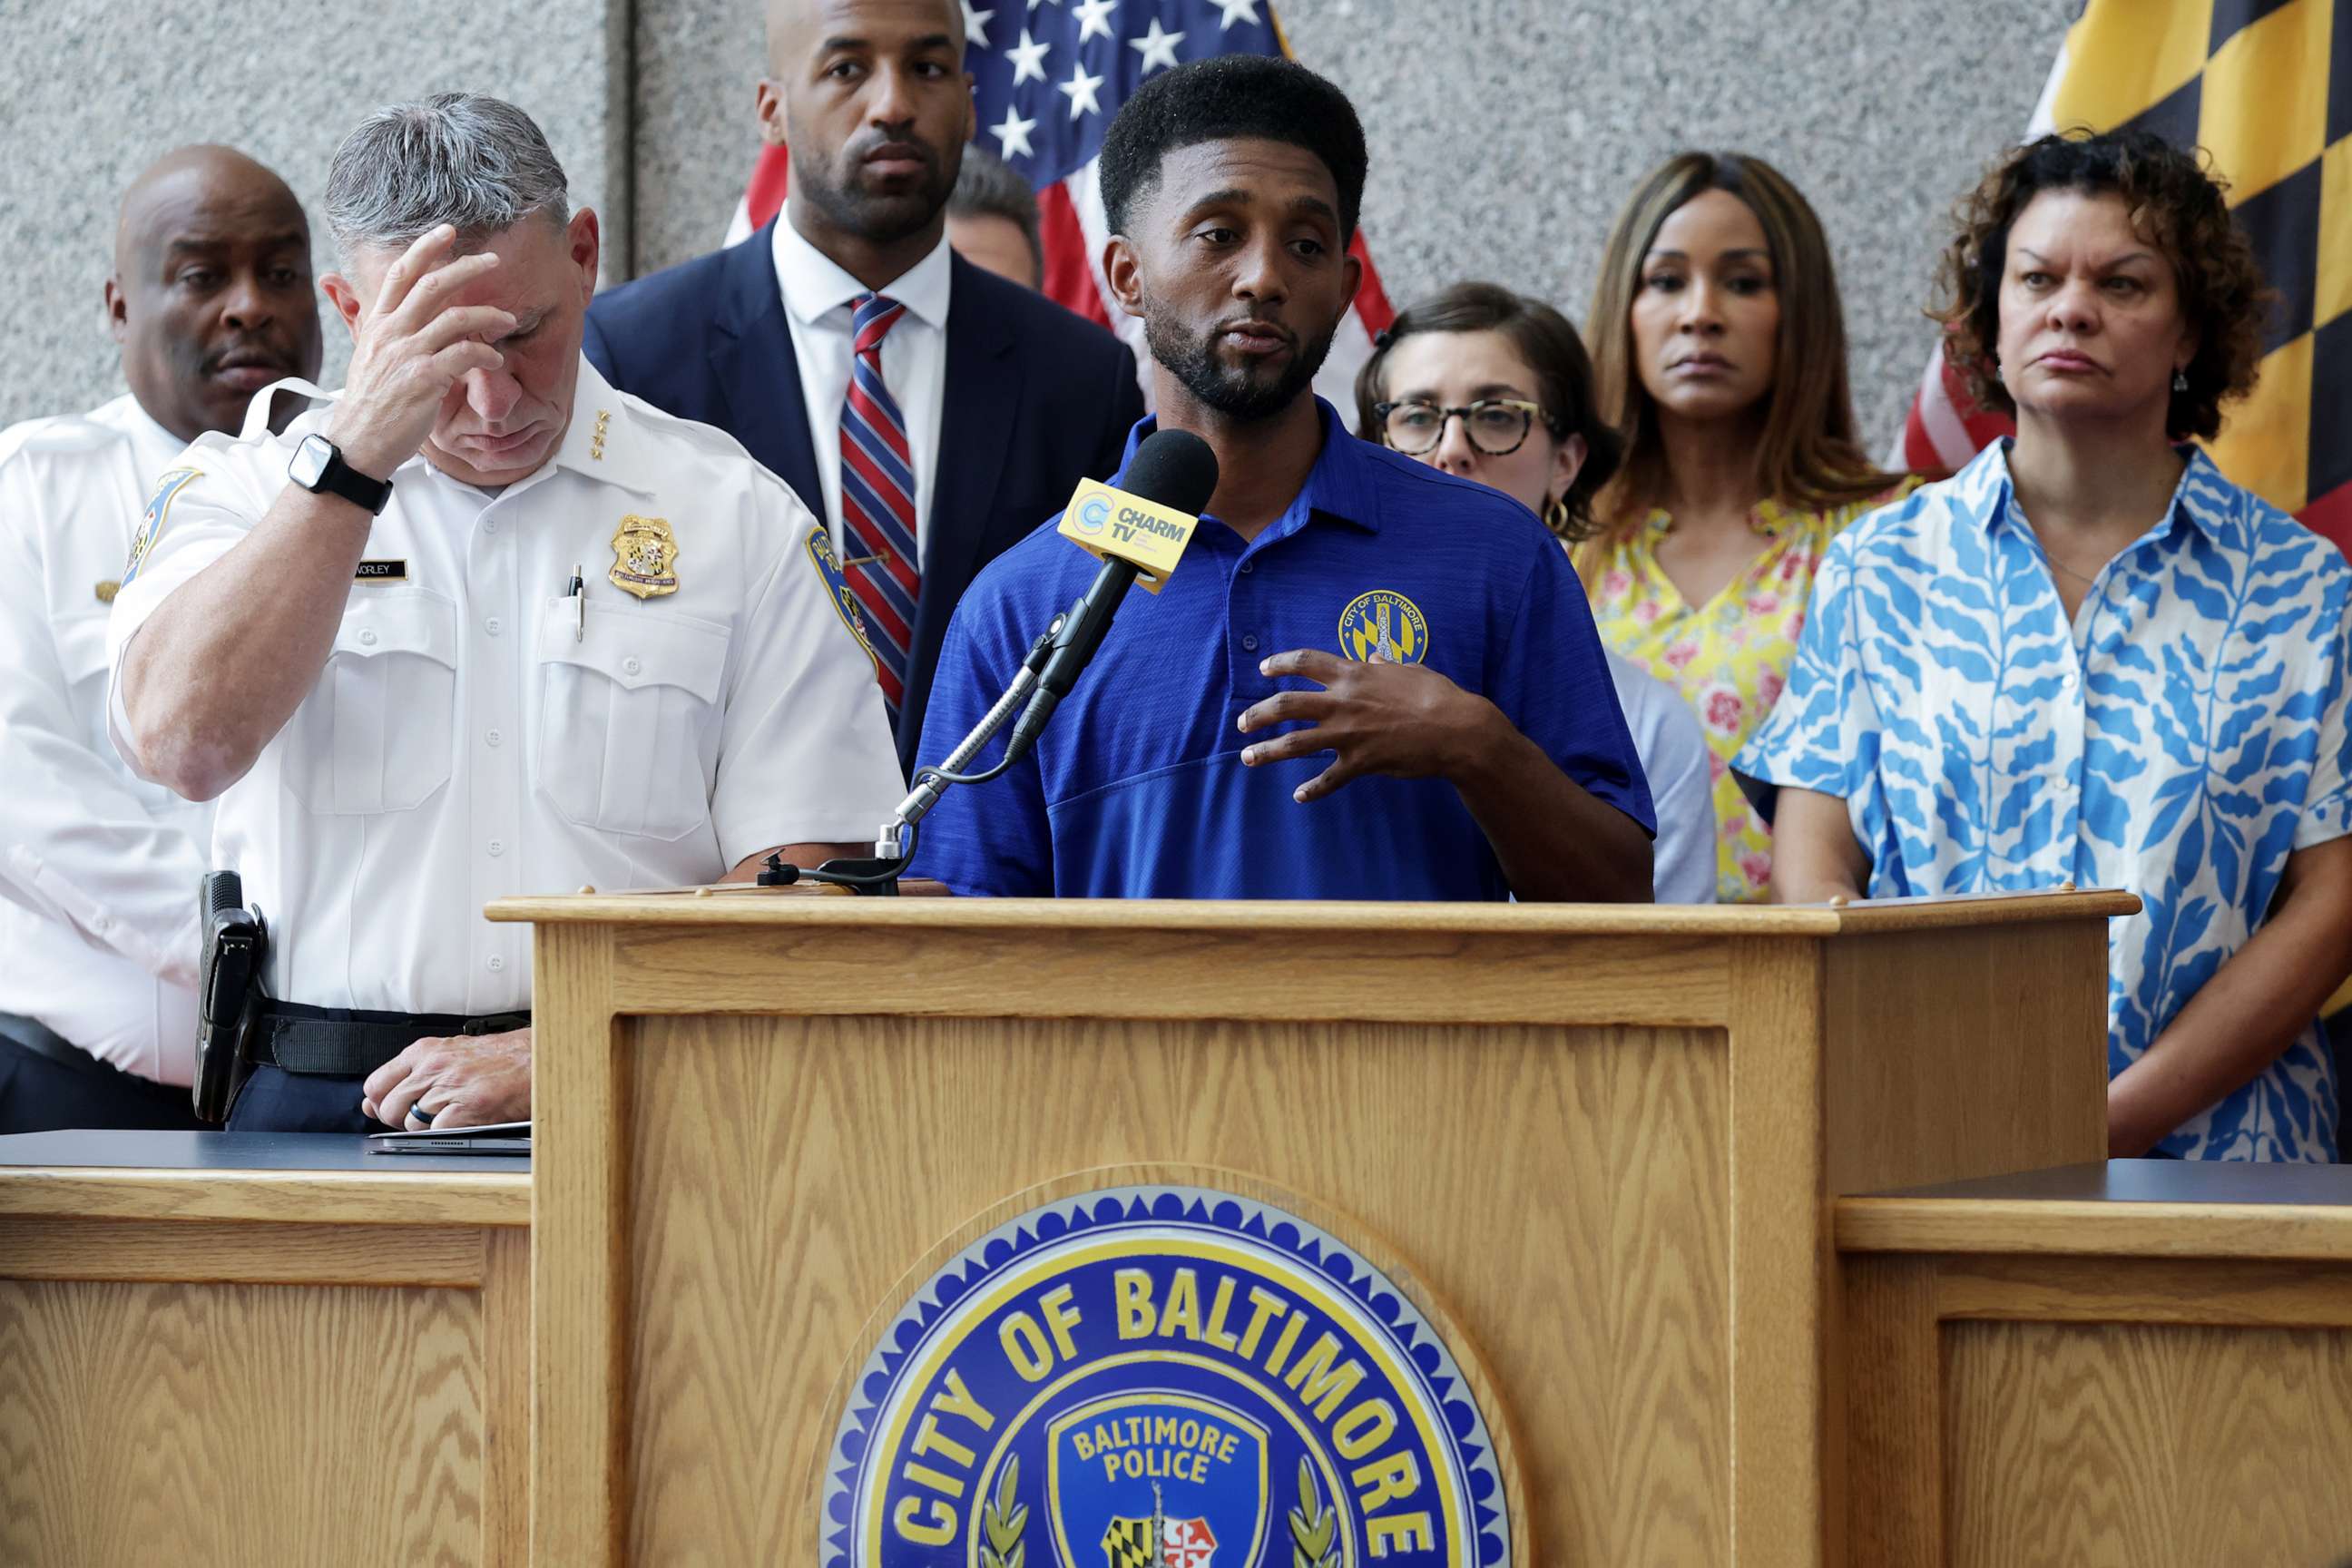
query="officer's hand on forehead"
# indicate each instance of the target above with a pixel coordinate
(478, 337)
(413, 344)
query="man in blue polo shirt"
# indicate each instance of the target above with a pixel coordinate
(1366, 680)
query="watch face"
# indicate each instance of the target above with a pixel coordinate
(310, 461)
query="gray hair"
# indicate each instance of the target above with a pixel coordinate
(987, 186)
(476, 164)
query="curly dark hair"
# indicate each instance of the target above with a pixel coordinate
(2177, 204)
(1224, 98)
(1553, 353)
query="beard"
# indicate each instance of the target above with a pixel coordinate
(1230, 390)
(833, 188)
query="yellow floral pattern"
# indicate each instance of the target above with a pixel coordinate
(1729, 656)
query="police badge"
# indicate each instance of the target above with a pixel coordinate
(644, 557)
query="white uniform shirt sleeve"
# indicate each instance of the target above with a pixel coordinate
(1673, 752)
(201, 507)
(804, 752)
(75, 843)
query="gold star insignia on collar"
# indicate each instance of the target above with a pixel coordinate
(597, 437)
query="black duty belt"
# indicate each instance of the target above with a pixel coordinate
(43, 1041)
(352, 1042)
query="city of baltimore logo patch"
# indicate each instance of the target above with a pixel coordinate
(168, 487)
(819, 545)
(1386, 624)
(1160, 1377)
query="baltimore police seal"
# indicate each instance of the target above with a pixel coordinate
(819, 545)
(1160, 1377)
(1386, 623)
(168, 486)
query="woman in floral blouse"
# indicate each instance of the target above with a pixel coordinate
(1721, 351)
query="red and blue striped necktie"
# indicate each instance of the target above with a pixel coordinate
(878, 500)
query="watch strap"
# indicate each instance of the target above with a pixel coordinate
(338, 478)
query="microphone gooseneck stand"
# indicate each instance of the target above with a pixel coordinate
(876, 875)
(1172, 469)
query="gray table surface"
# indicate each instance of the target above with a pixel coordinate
(237, 1152)
(2158, 1182)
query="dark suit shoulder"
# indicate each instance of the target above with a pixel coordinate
(1050, 330)
(690, 288)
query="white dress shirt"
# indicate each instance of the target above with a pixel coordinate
(98, 867)
(1673, 752)
(817, 298)
(466, 740)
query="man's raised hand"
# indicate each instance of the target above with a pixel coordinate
(411, 349)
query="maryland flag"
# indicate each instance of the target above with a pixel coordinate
(1127, 1543)
(2266, 86)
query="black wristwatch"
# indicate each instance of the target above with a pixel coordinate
(319, 468)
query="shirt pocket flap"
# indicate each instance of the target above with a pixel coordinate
(635, 649)
(419, 621)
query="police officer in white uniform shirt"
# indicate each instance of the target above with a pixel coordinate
(211, 298)
(480, 626)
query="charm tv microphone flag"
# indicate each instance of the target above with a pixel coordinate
(1047, 80)
(2266, 89)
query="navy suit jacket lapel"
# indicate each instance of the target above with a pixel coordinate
(983, 389)
(758, 377)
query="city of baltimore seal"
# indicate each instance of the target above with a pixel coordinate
(1160, 1377)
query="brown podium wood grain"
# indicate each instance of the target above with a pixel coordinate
(2143, 1365)
(203, 1367)
(1606, 1138)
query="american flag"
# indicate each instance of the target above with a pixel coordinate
(1047, 76)
(2266, 89)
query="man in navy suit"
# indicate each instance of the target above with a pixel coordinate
(930, 413)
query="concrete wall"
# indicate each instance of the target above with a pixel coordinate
(92, 91)
(1505, 132)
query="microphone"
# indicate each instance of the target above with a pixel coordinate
(1139, 532)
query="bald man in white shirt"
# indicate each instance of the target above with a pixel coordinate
(211, 298)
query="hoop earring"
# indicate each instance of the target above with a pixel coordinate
(1556, 517)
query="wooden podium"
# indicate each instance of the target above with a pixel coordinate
(1606, 1139)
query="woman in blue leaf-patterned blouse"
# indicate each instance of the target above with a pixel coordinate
(2089, 655)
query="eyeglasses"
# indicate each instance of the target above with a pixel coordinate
(1496, 425)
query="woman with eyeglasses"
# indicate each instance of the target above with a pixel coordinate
(1720, 356)
(1495, 388)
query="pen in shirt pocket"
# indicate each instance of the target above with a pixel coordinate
(578, 594)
